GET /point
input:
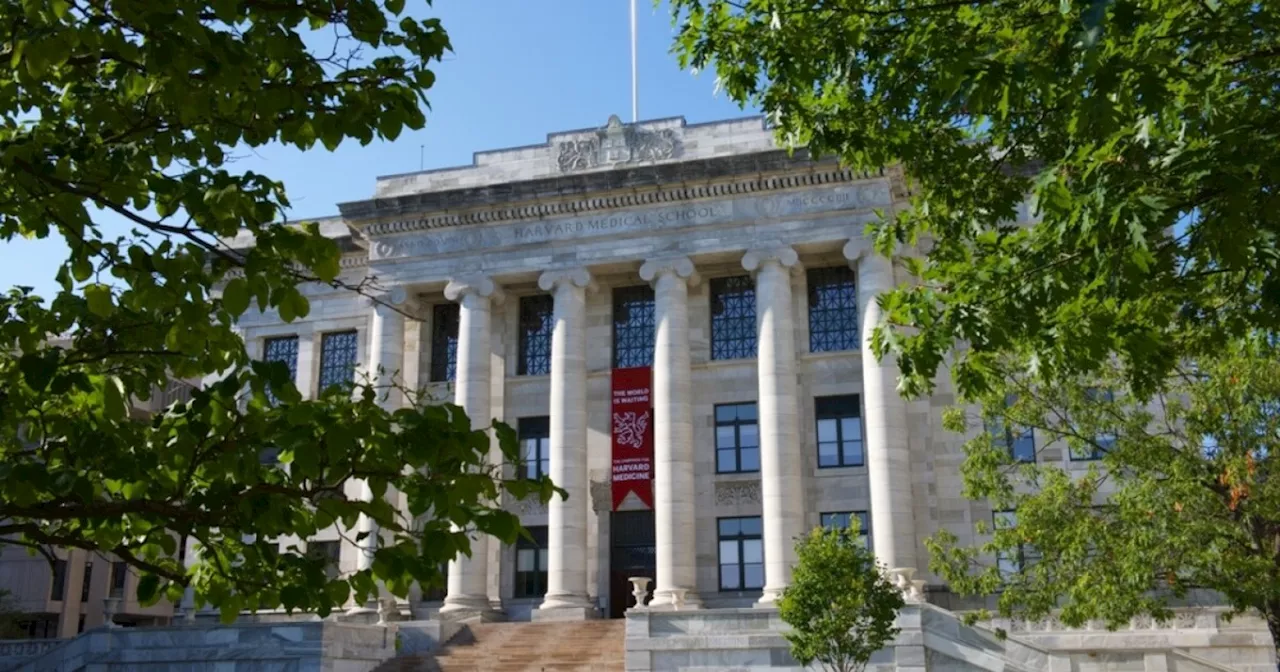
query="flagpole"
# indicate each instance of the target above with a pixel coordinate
(635, 90)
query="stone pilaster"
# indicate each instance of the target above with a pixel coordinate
(885, 421)
(566, 596)
(781, 478)
(673, 483)
(468, 592)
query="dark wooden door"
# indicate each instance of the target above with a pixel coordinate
(631, 554)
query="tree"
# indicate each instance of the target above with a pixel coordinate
(1141, 130)
(840, 606)
(1139, 136)
(1180, 497)
(130, 111)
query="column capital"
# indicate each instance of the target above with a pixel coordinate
(575, 277)
(681, 267)
(784, 255)
(858, 247)
(393, 297)
(482, 286)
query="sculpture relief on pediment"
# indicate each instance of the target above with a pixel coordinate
(617, 144)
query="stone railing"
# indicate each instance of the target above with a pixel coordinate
(14, 652)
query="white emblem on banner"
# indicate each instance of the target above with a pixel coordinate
(629, 428)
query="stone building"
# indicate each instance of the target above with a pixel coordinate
(737, 278)
(79, 590)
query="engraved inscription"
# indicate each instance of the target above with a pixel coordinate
(470, 239)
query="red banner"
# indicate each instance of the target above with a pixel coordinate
(632, 435)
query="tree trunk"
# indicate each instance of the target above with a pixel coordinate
(1272, 614)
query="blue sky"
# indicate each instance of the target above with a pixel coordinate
(520, 69)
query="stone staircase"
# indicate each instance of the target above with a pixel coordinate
(524, 647)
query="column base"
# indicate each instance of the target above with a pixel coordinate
(769, 598)
(674, 599)
(559, 614)
(470, 608)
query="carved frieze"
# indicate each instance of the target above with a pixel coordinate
(734, 493)
(738, 207)
(615, 145)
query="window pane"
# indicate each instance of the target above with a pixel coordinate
(753, 576)
(753, 551)
(851, 429)
(747, 411)
(535, 335)
(828, 455)
(751, 526)
(729, 527)
(852, 452)
(750, 459)
(748, 435)
(726, 437)
(285, 351)
(726, 413)
(337, 358)
(833, 309)
(543, 562)
(733, 318)
(545, 463)
(729, 578)
(1005, 520)
(728, 552)
(633, 326)
(526, 559)
(726, 460)
(826, 430)
(444, 342)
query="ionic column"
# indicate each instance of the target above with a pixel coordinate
(386, 356)
(885, 421)
(567, 517)
(468, 589)
(781, 479)
(673, 481)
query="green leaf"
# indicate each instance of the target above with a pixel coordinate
(38, 368)
(235, 296)
(99, 299)
(148, 589)
(113, 398)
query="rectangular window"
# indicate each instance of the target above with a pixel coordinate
(1019, 442)
(87, 584)
(328, 552)
(59, 588)
(839, 421)
(741, 553)
(1011, 562)
(1104, 440)
(536, 320)
(444, 342)
(841, 520)
(531, 563)
(119, 572)
(535, 447)
(733, 318)
(737, 438)
(337, 358)
(282, 349)
(833, 309)
(633, 326)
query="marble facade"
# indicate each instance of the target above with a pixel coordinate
(675, 207)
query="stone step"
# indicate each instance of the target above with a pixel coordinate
(519, 647)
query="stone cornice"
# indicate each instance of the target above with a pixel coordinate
(579, 194)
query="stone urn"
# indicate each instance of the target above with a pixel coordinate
(110, 607)
(677, 598)
(639, 590)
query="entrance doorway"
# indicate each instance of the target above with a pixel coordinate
(631, 554)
